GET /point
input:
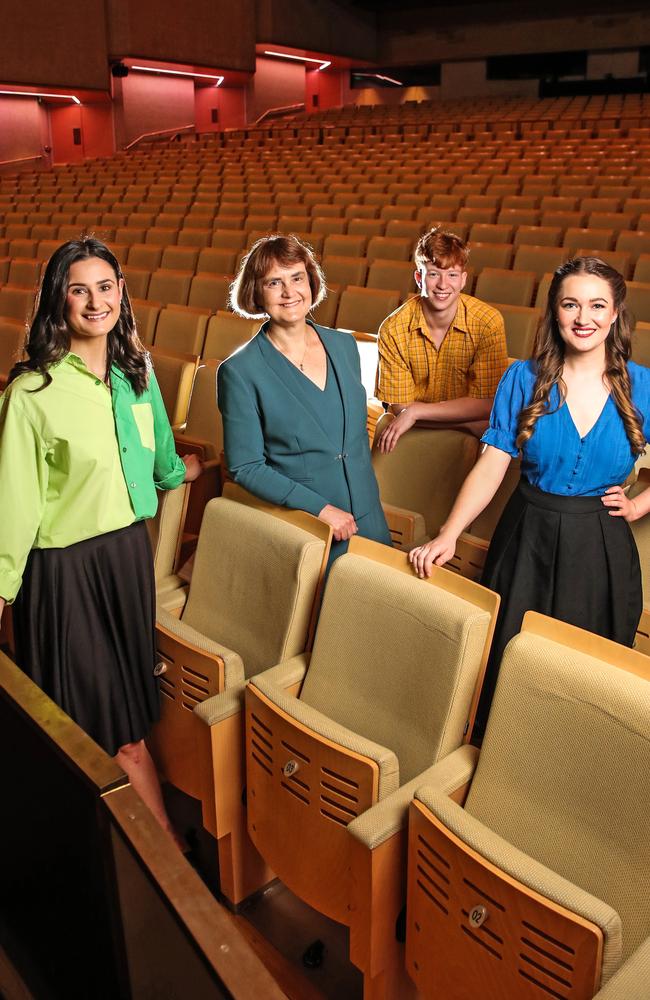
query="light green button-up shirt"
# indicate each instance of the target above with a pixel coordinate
(77, 461)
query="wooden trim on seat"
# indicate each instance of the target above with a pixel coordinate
(318, 787)
(401, 524)
(632, 660)
(469, 558)
(191, 675)
(375, 412)
(526, 947)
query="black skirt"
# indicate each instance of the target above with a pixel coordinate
(565, 557)
(84, 621)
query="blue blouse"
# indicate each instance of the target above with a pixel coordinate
(555, 458)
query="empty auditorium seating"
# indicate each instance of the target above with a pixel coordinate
(382, 700)
(364, 309)
(227, 634)
(553, 905)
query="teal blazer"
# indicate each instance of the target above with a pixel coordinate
(275, 443)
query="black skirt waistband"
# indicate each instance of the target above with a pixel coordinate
(558, 502)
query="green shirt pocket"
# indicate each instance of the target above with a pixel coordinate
(143, 415)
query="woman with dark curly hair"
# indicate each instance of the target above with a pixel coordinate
(293, 406)
(84, 442)
(578, 413)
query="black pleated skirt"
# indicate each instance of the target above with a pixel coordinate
(84, 621)
(565, 557)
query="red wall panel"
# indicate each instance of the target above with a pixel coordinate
(230, 103)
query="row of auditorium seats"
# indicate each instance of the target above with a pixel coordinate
(335, 766)
(341, 778)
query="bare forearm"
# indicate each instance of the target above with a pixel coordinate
(2, 606)
(478, 489)
(641, 503)
(466, 409)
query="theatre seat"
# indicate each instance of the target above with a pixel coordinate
(210, 291)
(637, 301)
(142, 255)
(12, 342)
(166, 536)
(345, 270)
(170, 287)
(521, 326)
(389, 691)
(539, 259)
(365, 309)
(226, 332)
(397, 274)
(202, 435)
(175, 373)
(419, 480)
(250, 605)
(182, 329)
(325, 313)
(495, 284)
(16, 302)
(146, 317)
(631, 980)
(527, 885)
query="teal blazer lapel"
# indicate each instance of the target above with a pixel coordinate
(277, 364)
(330, 342)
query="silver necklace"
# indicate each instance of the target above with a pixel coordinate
(299, 364)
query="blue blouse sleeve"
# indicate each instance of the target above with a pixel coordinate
(511, 397)
(640, 382)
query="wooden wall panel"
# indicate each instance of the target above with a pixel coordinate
(214, 33)
(54, 44)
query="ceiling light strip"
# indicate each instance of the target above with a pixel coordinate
(38, 93)
(323, 63)
(180, 72)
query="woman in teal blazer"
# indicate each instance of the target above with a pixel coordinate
(292, 401)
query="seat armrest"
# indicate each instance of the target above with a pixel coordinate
(386, 818)
(327, 729)
(525, 869)
(231, 701)
(233, 665)
(407, 527)
(631, 980)
(221, 706)
(289, 673)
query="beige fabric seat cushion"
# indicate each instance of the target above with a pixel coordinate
(425, 472)
(253, 583)
(564, 773)
(321, 724)
(632, 979)
(232, 662)
(528, 871)
(395, 660)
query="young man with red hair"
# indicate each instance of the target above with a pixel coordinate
(442, 353)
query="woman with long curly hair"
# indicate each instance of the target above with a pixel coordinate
(578, 413)
(84, 442)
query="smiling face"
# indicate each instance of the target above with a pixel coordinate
(285, 293)
(92, 302)
(585, 312)
(441, 286)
